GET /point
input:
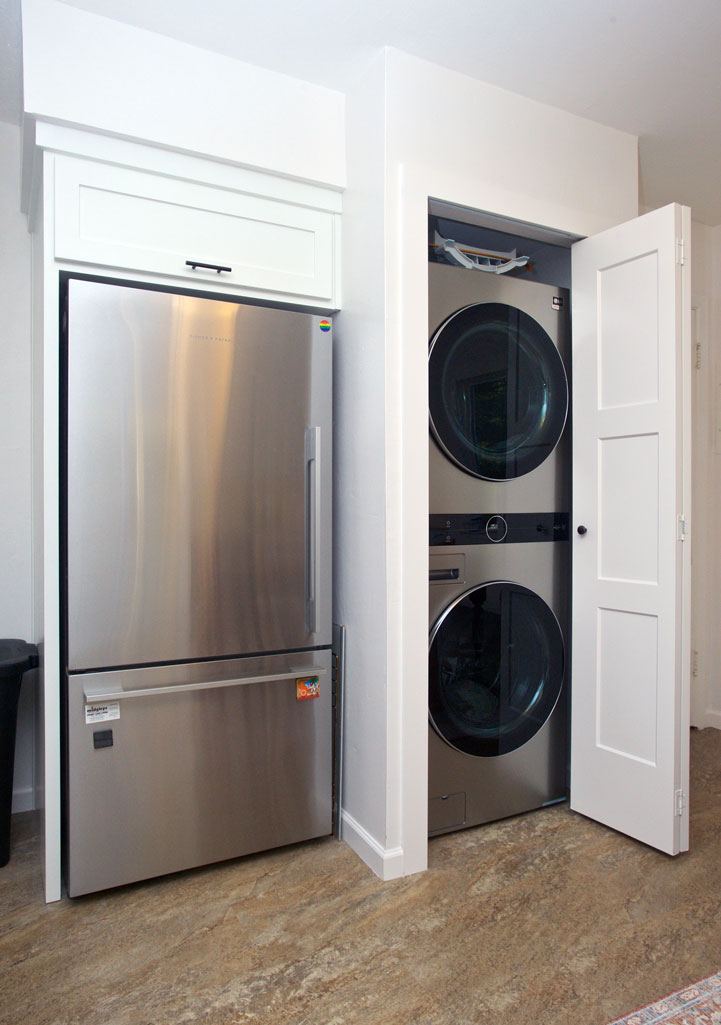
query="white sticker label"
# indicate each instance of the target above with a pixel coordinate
(102, 713)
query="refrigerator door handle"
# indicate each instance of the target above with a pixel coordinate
(313, 521)
(93, 696)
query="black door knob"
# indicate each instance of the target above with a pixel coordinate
(582, 529)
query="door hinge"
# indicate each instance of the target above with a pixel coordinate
(680, 252)
(681, 528)
(680, 804)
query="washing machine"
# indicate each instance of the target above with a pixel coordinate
(498, 653)
(499, 469)
(498, 393)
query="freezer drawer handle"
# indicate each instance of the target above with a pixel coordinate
(92, 696)
(194, 264)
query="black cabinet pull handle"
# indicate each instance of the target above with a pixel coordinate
(207, 266)
(582, 530)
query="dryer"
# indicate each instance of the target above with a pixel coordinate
(498, 393)
(497, 669)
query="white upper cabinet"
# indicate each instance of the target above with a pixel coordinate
(119, 218)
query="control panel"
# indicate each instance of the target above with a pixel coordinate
(496, 528)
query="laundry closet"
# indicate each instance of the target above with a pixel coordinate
(500, 475)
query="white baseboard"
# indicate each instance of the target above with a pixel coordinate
(387, 864)
(23, 800)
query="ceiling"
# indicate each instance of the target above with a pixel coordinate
(649, 67)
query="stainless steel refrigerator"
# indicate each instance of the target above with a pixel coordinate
(198, 714)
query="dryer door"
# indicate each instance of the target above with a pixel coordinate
(496, 666)
(498, 392)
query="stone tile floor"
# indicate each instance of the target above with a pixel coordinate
(546, 918)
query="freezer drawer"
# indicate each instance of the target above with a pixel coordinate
(179, 766)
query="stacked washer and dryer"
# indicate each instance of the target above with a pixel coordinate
(499, 551)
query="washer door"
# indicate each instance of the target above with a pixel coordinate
(498, 391)
(496, 666)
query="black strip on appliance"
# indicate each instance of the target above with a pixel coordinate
(496, 528)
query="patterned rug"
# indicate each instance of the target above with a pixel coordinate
(699, 1004)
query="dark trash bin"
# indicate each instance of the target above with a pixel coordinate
(16, 657)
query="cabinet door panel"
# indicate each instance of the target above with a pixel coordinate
(116, 217)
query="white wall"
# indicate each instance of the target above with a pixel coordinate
(459, 140)
(83, 69)
(490, 149)
(15, 444)
(706, 550)
(359, 457)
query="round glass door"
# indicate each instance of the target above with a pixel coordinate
(498, 392)
(496, 665)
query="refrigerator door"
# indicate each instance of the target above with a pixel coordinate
(198, 477)
(178, 766)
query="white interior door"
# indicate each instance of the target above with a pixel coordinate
(631, 494)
